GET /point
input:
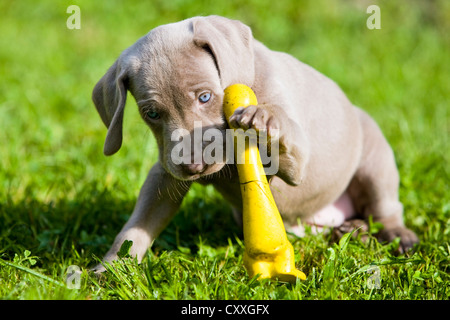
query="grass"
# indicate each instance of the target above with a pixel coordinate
(62, 202)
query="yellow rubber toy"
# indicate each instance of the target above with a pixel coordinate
(268, 252)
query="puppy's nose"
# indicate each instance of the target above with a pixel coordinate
(193, 168)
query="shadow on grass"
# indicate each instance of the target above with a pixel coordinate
(207, 219)
(89, 223)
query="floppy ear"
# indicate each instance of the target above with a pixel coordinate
(109, 96)
(231, 43)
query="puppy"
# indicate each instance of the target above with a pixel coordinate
(334, 164)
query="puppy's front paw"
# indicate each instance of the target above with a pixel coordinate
(136, 246)
(254, 117)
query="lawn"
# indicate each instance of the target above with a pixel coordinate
(62, 202)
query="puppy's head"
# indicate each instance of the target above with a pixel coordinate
(177, 74)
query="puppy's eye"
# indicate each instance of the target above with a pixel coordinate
(204, 97)
(152, 115)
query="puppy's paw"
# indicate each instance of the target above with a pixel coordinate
(98, 269)
(407, 237)
(132, 242)
(254, 117)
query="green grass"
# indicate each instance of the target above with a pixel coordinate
(62, 202)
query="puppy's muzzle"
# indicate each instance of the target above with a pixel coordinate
(193, 168)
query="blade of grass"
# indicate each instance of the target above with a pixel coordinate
(33, 272)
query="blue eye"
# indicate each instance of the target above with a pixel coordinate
(204, 97)
(153, 115)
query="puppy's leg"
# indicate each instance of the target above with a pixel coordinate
(374, 188)
(159, 199)
(293, 145)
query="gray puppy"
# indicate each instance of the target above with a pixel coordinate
(334, 163)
